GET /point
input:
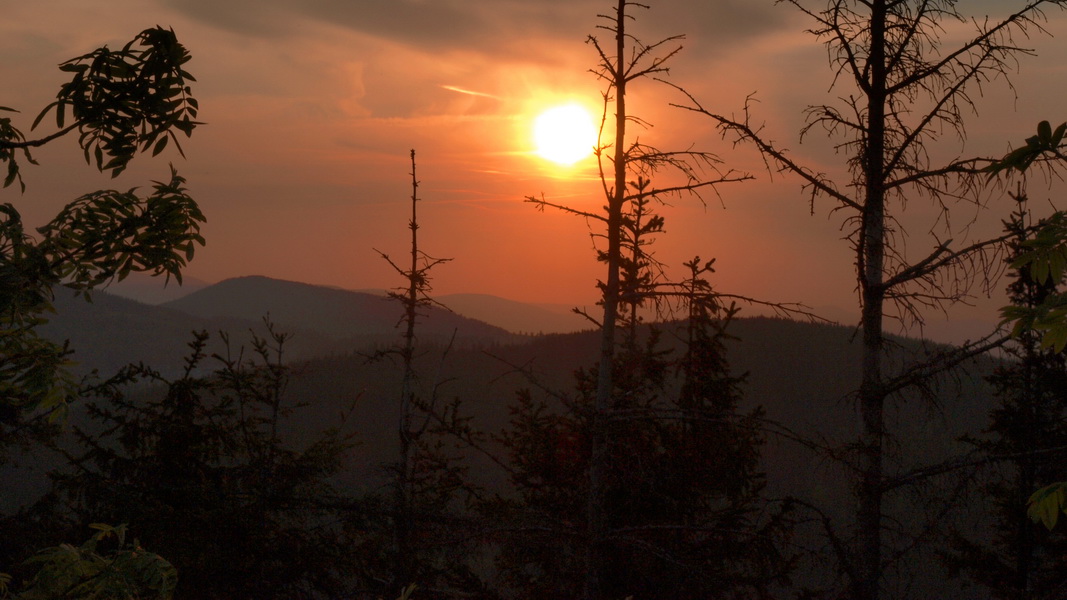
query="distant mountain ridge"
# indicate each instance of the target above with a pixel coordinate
(801, 374)
(155, 290)
(113, 331)
(521, 317)
(327, 311)
(514, 316)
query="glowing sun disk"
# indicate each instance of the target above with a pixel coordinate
(564, 134)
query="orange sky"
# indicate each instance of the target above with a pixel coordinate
(312, 107)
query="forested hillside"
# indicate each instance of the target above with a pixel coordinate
(799, 373)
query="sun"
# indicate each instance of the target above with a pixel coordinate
(564, 134)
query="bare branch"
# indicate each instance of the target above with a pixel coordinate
(542, 203)
(7, 144)
(942, 362)
(745, 132)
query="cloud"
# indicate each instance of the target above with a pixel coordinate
(493, 27)
(460, 90)
(437, 25)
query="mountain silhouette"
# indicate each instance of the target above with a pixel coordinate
(331, 312)
(803, 375)
(111, 331)
(516, 317)
(152, 289)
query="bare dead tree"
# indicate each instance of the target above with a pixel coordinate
(415, 299)
(900, 87)
(626, 169)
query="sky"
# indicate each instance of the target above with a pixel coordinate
(311, 109)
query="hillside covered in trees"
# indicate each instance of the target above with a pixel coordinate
(794, 375)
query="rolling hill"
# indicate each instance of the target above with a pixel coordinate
(331, 312)
(112, 331)
(801, 374)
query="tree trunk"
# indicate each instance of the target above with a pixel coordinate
(403, 568)
(872, 264)
(596, 516)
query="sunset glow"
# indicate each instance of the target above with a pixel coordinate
(312, 109)
(564, 134)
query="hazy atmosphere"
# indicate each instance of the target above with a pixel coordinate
(732, 299)
(312, 107)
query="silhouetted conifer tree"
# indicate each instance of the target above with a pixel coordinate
(900, 83)
(427, 477)
(203, 474)
(1028, 433)
(627, 166)
(682, 505)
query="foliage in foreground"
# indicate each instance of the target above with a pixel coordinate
(1025, 437)
(205, 471)
(122, 103)
(95, 571)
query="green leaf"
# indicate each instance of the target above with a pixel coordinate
(1044, 133)
(1055, 337)
(1039, 270)
(42, 114)
(160, 145)
(1056, 266)
(1057, 137)
(1046, 504)
(12, 173)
